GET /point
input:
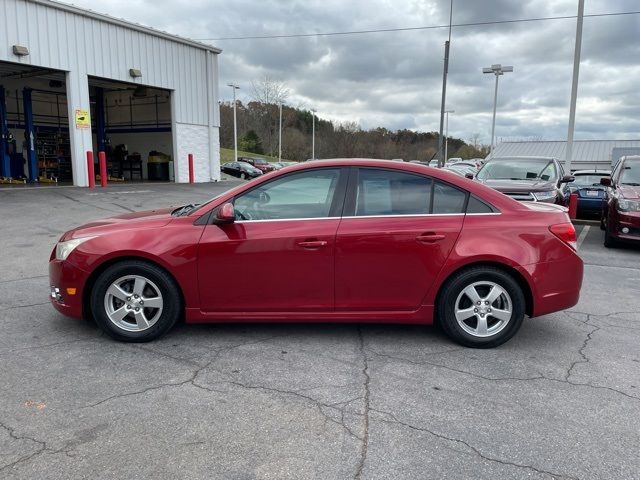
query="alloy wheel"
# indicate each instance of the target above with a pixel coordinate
(483, 309)
(133, 303)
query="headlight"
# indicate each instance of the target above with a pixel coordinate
(628, 205)
(540, 196)
(63, 249)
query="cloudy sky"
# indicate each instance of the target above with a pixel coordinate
(394, 79)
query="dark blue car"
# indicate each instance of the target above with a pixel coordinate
(590, 192)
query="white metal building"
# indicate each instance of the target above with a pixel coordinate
(587, 154)
(72, 81)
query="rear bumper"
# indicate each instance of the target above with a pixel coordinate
(555, 285)
(65, 277)
(591, 205)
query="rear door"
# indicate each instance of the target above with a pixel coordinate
(397, 232)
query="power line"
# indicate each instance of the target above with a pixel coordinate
(408, 29)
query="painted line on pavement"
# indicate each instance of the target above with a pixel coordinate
(582, 236)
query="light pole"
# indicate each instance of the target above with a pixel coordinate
(497, 70)
(235, 127)
(313, 134)
(280, 136)
(446, 135)
(574, 87)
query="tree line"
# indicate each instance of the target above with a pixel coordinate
(257, 123)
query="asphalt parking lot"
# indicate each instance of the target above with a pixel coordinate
(560, 400)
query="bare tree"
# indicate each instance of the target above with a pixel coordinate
(269, 91)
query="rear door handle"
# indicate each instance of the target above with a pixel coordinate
(430, 237)
(313, 243)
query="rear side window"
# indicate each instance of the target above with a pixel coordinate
(448, 199)
(385, 192)
(478, 206)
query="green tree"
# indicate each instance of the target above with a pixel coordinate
(250, 142)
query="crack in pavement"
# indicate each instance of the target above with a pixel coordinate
(584, 358)
(16, 307)
(474, 449)
(505, 379)
(42, 448)
(14, 280)
(193, 376)
(367, 406)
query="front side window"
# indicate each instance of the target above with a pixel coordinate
(298, 195)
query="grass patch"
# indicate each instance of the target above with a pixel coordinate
(226, 155)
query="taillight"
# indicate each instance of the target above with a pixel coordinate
(565, 232)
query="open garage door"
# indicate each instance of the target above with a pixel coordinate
(34, 126)
(132, 125)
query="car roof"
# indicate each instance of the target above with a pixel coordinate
(592, 172)
(523, 157)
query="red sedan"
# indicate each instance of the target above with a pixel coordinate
(327, 241)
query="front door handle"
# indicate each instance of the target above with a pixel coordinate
(313, 243)
(430, 237)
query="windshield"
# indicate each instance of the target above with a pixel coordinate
(259, 161)
(519, 169)
(588, 180)
(630, 173)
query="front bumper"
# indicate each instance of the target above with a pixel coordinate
(67, 287)
(619, 222)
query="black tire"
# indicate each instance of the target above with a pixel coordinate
(243, 176)
(609, 241)
(602, 226)
(158, 278)
(453, 289)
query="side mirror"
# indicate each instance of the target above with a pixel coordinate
(606, 181)
(225, 214)
(469, 176)
(567, 179)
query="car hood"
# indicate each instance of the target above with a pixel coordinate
(519, 185)
(630, 192)
(135, 220)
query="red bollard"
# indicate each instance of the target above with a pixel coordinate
(191, 168)
(91, 170)
(102, 161)
(573, 206)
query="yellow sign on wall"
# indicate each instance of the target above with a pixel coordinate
(82, 119)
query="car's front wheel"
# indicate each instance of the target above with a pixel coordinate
(135, 301)
(482, 307)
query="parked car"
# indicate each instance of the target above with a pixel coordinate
(279, 165)
(241, 170)
(460, 169)
(590, 191)
(260, 163)
(531, 179)
(621, 206)
(339, 240)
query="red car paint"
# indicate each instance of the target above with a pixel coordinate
(343, 269)
(619, 224)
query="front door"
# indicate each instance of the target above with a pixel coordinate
(278, 256)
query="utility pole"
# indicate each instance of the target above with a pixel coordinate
(446, 136)
(497, 70)
(313, 134)
(235, 126)
(445, 72)
(574, 87)
(280, 136)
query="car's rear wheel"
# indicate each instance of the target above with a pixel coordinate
(243, 176)
(481, 307)
(135, 301)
